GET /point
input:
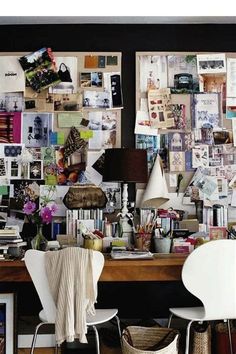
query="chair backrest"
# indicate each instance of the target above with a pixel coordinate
(35, 263)
(209, 273)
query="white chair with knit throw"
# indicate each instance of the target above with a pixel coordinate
(35, 262)
(209, 273)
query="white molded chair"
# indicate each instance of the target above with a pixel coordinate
(209, 273)
(35, 263)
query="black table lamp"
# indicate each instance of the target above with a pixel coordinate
(125, 165)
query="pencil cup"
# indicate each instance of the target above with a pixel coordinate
(142, 240)
(162, 245)
(95, 244)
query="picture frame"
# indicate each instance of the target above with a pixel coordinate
(8, 335)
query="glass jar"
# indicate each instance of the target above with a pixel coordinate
(39, 242)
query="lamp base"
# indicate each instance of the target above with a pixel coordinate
(127, 230)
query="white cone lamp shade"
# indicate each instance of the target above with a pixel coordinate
(156, 192)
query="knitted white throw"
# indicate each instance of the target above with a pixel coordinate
(70, 278)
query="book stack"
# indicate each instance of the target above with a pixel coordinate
(10, 237)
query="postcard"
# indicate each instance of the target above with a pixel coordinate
(67, 101)
(109, 120)
(160, 112)
(108, 139)
(91, 174)
(211, 63)
(12, 77)
(13, 168)
(85, 80)
(10, 127)
(176, 141)
(205, 184)
(178, 113)
(95, 120)
(11, 102)
(40, 69)
(36, 169)
(112, 60)
(143, 124)
(223, 137)
(203, 136)
(67, 72)
(215, 156)
(91, 61)
(24, 190)
(101, 61)
(182, 73)
(177, 161)
(231, 77)
(153, 72)
(206, 111)
(36, 128)
(39, 104)
(97, 99)
(67, 120)
(112, 85)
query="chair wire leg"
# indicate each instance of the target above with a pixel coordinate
(230, 337)
(35, 336)
(118, 325)
(188, 337)
(56, 349)
(97, 339)
(169, 320)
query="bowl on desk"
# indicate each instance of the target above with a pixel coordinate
(93, 244)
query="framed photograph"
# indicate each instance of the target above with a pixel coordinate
(7, 324)
(217, 232)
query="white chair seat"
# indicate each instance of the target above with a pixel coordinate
(101, 316)
(195, 313)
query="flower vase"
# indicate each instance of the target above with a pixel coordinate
(39, 242)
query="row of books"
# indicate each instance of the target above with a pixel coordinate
(215, 216)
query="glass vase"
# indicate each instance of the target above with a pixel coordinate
(39, 242)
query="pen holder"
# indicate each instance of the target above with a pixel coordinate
(162, 245)
(142, 240)
(95, 244)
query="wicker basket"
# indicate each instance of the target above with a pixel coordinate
(202, 341)
(146, 340)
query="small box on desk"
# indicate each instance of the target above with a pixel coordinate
(114, 241)
(191, 224)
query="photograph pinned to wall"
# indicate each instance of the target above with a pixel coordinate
(112, 60)
(108, 139)
(113, 194)
(200, 156)
(211, 63)
(179, 115)
(12, 77)
(13, 168)
(215, 156)
(23, 191)
(67, 101)
(11, 102)
(96, 79)
(10, 127)
(177, 161)
(143, 124)
(202, 181)
(96, 99)
(159, 103)
(36, 169)
(109, 120)
(90, 61)
(56, 195)
(95, 120)
(101, 61)
(223, 137)
(11, 150)
(40, 69)
(8, 333)
(151, 144)
(153, 72)
(112, 85)
(207, 111)
(42, 102)
(176, 141)
(203, 136)
(85, 80)
(182, 73)
(67, 72)
(36, 128)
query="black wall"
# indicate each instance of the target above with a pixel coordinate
(122, 38)
(126, 39)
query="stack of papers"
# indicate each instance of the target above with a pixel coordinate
(131, 255)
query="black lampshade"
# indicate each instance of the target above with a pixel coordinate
(125, 165)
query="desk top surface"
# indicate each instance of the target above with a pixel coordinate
(164, 267)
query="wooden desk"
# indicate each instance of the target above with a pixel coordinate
(164, 267)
